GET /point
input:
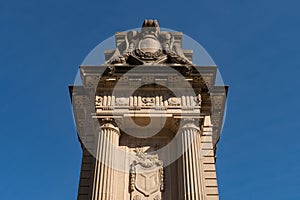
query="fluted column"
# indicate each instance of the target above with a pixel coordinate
(190, 180)
(104, 174)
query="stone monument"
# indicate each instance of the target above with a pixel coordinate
(148, 121)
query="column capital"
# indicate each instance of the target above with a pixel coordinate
(190, 124)
(109, 124)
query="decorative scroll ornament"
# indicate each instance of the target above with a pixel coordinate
(174, 101)
(148, 101)
(118, 59)
(146, 176)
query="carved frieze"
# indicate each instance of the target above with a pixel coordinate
(144, 100)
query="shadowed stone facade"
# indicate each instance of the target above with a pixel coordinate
(148, 121)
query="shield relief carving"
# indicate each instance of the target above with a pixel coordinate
(146, 177)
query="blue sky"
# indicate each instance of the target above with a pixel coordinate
(255, 44)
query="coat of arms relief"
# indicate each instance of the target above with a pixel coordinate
(146, 177)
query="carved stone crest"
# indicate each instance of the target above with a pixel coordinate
(150, 45)
(146, 177)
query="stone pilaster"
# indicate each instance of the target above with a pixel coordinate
(104, 174)
(208, 161)
(190, 183)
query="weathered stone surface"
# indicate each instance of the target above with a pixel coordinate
(117, 165)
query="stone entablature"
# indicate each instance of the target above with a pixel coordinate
(97, 93)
